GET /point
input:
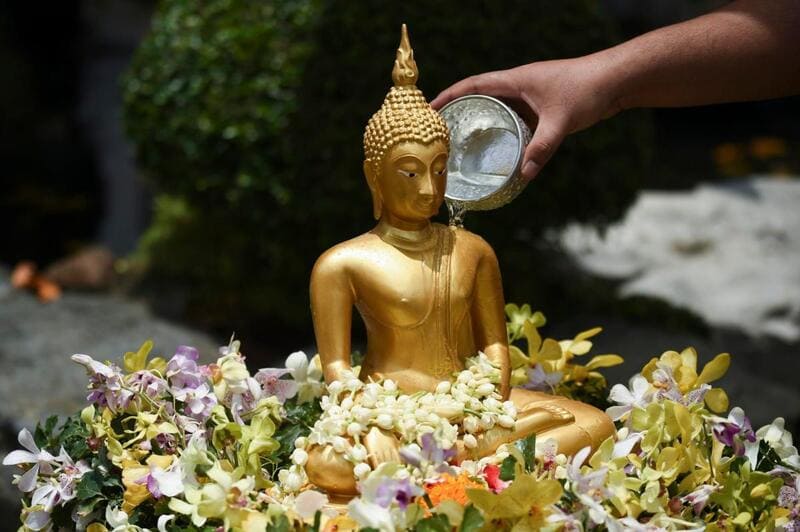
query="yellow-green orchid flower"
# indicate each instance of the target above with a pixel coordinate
(137, 361)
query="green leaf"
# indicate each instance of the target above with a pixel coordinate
(90, 486)
(473, 519)
(434, 523)
(280, 525)
(43, 435)
(507, 468)
(528, 448)
(73, 438)
(317, 521)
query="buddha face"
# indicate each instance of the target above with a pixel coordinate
(408, 186)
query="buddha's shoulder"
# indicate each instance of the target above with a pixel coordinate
(473, 241)
(345, 256)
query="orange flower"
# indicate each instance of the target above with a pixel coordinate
(767, 147)
(728, 154)
(451, 488)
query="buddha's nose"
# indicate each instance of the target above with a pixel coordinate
(427, 190)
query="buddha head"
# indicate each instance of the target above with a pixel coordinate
(406, 148)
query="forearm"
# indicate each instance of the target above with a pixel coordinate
(746, 50)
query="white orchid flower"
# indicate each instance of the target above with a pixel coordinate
(780, 439)
(307, 375)
(370, 515)
(117, 520)
(639, 395)
(37, 520)
(308, 503)
(42, 460)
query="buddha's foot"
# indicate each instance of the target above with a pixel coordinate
(588, 425)
(531, 420)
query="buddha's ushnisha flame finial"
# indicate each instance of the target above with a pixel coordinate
(405, 71)
(404, 115)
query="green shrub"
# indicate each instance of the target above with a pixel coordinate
(248, 118)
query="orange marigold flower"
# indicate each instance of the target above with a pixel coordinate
(451, 488)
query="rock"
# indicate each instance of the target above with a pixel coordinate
(728, 252)
(90, 268)
(5, 282)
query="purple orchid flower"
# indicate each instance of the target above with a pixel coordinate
(163, 482)
(699, 497)
(273, 385)
(167, 443)
(148, 383)
(429, 453)
(182, 369)
(105, 383)
(432, 452)
(400, 491)
(542, 381)
(198, 401)
(735, 431)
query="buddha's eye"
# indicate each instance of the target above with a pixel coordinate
(441, 172)
(407, 173)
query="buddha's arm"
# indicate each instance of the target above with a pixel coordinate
(488, 316)
(332, 300)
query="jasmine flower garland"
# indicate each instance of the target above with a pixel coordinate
(456, 411)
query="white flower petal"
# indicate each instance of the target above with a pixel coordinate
(309, 502)
(25, 439)
(27, 482)
(616, 412)
(41, 495)
(580, 457)
(116, 517)
(163, 520)
(297, 362)
(368, 514)
(751, 452)
(773, 433)
(37, 520)
(639, 386)
(170, 483)
(19, 457)
(624, 447)
(620, 394)
(736, 415)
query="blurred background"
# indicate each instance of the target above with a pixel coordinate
(172, 169)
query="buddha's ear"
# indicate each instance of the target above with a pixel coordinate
(370, 172)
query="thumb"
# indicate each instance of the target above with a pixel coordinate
(546, 139)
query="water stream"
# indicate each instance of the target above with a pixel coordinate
(457, 211)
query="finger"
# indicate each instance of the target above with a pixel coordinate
(497, 83)
(546, 140)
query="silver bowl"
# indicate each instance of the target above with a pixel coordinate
(487, 142)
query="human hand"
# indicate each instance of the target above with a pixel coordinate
(554, 97)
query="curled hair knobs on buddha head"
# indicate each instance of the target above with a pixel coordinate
(404, 115)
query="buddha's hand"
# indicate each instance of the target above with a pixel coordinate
(381, 446)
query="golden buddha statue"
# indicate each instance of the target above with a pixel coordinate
(430, 295)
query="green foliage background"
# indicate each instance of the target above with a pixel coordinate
(248, 116)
